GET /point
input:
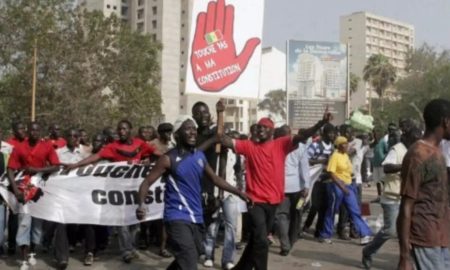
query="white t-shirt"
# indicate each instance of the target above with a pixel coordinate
(296, 170)
(357, 158)
(445, 148)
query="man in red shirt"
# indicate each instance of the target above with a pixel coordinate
(265, 160)
(34, 155)
(129, 149)
(55, 136)
(19, 133)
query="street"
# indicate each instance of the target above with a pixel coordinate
(306, 254)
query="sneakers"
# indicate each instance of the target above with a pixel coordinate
(31, 259)
(129, 256)
(24, 265)
(89, 259)
(325, 240)
(228, 266)
(284, 253)
(208, 263)
(365, 240)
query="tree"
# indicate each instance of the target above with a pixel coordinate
(91, 70)
(354, 82)
(275, 102)
(380, 74)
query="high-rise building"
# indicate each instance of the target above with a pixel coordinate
(367, 34)
(108, 7)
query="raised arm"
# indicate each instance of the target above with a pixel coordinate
(306, 133)
(161, 166)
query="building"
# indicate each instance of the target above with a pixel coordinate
(108, 7)
(273, 77)
(367, 34)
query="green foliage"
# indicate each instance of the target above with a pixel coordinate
(91, 70)
(354, 82)
(429, 78)
(274, 102)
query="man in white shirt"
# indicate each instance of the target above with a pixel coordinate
(297, 185)
(69, 154)
(390, 198)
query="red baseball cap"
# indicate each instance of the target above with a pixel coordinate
(266, 122)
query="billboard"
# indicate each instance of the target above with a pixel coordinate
(225, 48)
(316, 78)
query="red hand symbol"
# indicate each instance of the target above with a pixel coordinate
(214, 61)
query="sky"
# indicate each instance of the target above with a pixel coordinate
(318, 20)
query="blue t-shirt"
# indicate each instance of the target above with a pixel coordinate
(183, 195)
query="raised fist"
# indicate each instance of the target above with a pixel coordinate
(214, 61)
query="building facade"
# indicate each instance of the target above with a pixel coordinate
(367, 34)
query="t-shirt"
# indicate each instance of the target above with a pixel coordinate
(39, 156)
(183, 194)
(119, 151)
(340, 165)
(379, 152)
(392, 181)
(69, 157)
(14, 141)
(424, 179)
(211, 156)
(265, 168)
(357, 158)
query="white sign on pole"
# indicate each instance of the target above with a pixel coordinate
(225, 48)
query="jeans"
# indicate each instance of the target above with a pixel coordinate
(126, 239)
(436, 258)
(389, 230)
(288, 218)
(30, 229)
(336, 197)
(185, 243)
(229, 216)
(261, 217)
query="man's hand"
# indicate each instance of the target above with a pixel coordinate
(141, 212)
(213, 48)
(304, 193)
(30, 170)
(327, 116)
(220, 107)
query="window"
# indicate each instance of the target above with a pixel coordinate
(154, 10)
(124, 11)
(108, 6)
(140, 14)
(349, 29)
(154, 37)
(140, 27)
(114, 7)
(154, 24)
(241, 101)
(140, 2)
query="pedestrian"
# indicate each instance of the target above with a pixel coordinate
(183, 168)
(265, 184)
(319, 153)
(423, 222)
(54, 136)
(341, 191)
(297, 185)
(34, 155)
(390, 198)
(129, 149)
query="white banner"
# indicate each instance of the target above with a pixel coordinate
(104, 194)
(225, 48)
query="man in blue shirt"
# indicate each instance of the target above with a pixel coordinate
(183, 168)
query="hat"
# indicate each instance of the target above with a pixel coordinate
(340, 140)
(163, 127)
(266, 122)
(180, 120)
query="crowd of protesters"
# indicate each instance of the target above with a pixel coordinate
(253, 186)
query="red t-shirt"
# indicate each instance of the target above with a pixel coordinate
(58, 143)
(265, 168)
(14, 141)
(38, 156)
(134, 152)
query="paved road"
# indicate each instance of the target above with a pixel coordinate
(306, 254)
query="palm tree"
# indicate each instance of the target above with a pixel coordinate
(380, 74)
(354, 82)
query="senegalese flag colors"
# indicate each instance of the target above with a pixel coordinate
(213, 37)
